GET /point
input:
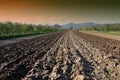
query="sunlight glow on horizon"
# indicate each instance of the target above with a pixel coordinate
(57, 12)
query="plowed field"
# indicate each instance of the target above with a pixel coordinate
(68, 55)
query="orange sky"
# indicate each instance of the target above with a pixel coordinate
(58, 11)
(20, 11)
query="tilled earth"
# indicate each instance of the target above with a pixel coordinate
(68, 55)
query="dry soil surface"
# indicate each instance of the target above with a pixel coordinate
(68, 55)
(115, 37)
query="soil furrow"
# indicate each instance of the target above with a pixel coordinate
(17, 68)
(68, 55)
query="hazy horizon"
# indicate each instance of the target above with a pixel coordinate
(59, 11)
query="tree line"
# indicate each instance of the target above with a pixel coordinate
(14, 29)
(105, 27)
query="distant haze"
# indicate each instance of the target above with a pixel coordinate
(60, 11)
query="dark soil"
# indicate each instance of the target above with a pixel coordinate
(69, 55)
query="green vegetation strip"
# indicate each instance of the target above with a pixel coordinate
(12, 30)
(3, 37)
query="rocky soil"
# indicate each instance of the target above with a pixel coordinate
(68, 55)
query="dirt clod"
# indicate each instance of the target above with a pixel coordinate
(68, 55)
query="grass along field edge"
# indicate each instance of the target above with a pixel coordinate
(106, 35)
(105, 32)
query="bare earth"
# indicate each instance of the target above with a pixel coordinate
(115, 37)
(68, 55)
(14, 40)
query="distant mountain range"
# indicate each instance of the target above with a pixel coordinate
(77, 25)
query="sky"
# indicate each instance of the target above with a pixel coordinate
(60, 11)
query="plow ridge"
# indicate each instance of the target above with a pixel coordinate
(68, 55)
